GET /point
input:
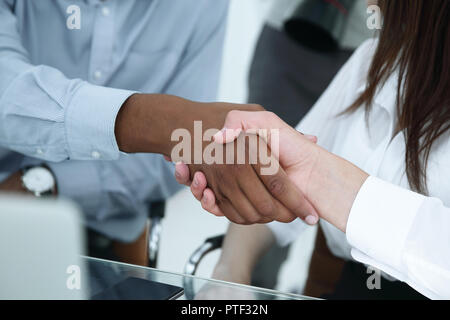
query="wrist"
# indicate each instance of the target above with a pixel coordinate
(334, 185)
(145, 122)
(13, 183)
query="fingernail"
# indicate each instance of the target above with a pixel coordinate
(205, 199)
(177, 174)
(195, 182)
(311, 220)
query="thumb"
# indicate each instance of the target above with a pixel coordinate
(311, 138)
(227, 134)
(238, 121)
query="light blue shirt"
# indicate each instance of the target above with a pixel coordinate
(61, 89)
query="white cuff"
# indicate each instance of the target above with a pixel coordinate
(90, 122)
(381, 219)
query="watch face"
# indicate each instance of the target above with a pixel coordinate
(39, 180)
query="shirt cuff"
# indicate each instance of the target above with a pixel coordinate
(381, 219)
(90, 121)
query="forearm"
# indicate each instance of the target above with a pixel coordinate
(334, 184)
(146, 122)
(242, 248)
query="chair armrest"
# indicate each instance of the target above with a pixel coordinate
(208, 246)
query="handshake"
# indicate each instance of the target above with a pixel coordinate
(255, 170)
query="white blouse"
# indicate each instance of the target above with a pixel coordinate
(379, 230)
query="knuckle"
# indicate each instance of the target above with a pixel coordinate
(220, 176)
(276, 186)
(221, 199)
(266, 208)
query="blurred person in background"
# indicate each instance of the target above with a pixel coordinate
(119, 48)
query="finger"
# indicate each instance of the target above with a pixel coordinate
(227, 135)
(286, 192)
(238, 121)
(266, 206)
(182, 174)
(268, 126)
(209, 203)
(232, 192)
(246, 209)
(167, 158)
(230, 212)
(198, 185)
(311, 138)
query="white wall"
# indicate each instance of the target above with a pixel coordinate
(244, 25)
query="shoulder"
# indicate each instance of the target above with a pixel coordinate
(351, 79)
(357, 67)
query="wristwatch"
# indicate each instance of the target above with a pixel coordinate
(39, 181)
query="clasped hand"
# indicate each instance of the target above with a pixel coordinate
(244, 195)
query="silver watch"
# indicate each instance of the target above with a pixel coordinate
(39, 181)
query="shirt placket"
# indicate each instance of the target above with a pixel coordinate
(100, 66)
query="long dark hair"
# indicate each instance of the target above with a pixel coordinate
(415, 40)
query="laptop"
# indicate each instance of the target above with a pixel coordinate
(40, 246)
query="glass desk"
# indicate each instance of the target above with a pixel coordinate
(104, 274)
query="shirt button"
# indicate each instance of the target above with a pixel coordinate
(97, 74)
(96, 155)
(39, 151)
(105, 11)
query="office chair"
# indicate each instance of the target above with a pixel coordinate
(208, 246)
(156, 215)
